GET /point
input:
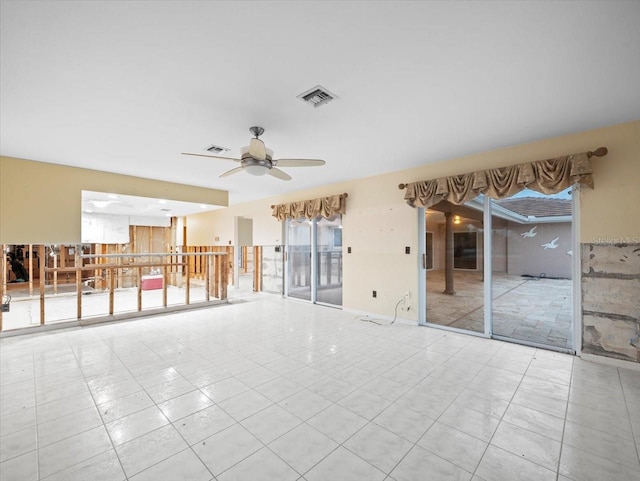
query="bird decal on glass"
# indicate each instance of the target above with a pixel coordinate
(530, 233)
(551, 245)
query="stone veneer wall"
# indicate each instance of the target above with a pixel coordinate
(611, 300)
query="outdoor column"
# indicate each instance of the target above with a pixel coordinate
(448, 254)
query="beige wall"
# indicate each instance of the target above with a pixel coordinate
(612, 210)
(378, 224)
(41, 203)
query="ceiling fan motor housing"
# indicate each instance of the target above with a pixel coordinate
(255, 166)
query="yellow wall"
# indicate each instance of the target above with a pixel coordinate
(611, 212)
(41, 203)
(378, 224)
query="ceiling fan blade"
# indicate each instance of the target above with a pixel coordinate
(280, 174)
(299, 162)
(257, 150)
(212, 156)
(230, 172)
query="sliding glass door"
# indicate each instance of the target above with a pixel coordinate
(329, 261)
(314, 260)
(501, 268)
(299, 259)
(453, 265)
(532, 269)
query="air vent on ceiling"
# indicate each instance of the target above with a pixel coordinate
(317, 96)
(216, 149)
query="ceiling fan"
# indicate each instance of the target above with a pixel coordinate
(256, 159)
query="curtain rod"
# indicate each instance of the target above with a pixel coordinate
(599, 152)
(341, 195)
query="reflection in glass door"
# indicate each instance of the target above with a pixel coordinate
(465, 250)
(299, 259)
(329, 261)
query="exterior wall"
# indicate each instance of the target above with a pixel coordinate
(514, 254)
(527, 256)
(42, 203)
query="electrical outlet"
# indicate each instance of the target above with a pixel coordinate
(375, 293)
(407, 301)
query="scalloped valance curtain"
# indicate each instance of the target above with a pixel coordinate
(545, 176)
(310, 209)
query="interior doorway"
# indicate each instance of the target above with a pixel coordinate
(243, 279)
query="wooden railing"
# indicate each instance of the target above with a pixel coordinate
(106, 273)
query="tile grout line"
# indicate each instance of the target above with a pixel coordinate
(626, 404)
(104, 426)
(35, 409)
(414, 444)
(312, 427)
(503, 414)
(564, 423)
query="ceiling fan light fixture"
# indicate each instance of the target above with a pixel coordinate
(256, 159)
(256, 169)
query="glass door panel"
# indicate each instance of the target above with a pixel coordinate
(299, 259)
(455, 280)
(532, 281)
(329, 261)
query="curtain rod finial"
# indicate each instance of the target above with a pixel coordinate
(600, 152)
(402, 186)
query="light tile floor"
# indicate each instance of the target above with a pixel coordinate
(273, 389)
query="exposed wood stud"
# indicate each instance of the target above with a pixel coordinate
(77, 262)
(3, 279)
(111, 275)
(42, 256)
(30, 252)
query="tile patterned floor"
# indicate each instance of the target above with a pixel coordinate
(273, 389)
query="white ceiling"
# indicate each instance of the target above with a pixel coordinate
(126, 86)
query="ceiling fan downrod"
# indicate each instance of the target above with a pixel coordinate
(257, 131)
